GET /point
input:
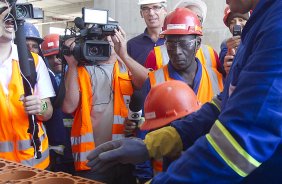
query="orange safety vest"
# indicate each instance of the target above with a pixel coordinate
(205, 94)
(15, 142)
(82, 133)
(207, 58)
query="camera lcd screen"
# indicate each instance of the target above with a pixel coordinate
(95, 16)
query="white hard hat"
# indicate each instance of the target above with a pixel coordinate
(198, 3)
(141, 2)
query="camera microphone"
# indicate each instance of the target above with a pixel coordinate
(135, 108)
(79, 23)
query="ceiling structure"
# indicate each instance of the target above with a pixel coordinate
(56, 11)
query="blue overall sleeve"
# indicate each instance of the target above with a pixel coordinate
(244, 143)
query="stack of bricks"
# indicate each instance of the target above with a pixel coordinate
(11, 173)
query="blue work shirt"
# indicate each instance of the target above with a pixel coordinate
(144, 171)
(140, 46)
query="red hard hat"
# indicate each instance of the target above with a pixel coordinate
(50, 46)
(227, 12)
(167, 102)
(182, 21)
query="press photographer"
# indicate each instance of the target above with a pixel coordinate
(98, 90)
(235, 23)
(25, 91)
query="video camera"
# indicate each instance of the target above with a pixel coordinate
(24, 11)
(90, 34)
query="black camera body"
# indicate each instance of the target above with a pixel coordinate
(91, 45)
(237, 30)
(26, 11)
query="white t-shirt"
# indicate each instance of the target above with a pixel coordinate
(43, 88)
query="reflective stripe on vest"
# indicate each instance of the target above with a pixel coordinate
(81, 156)
(68, 122)
(82, 139)
(209, 61)
(216, 102)
(6, 147)
(33, 161)
(159, 76)
(161, 56)
(230, 150)
(26, 144)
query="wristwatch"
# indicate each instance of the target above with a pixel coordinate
(44, 107)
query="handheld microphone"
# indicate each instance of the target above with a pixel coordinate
(135, 108)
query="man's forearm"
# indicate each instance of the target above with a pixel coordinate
(138, 72)
(72, 95)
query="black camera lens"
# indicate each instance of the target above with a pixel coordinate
(95, 51)
(22, 12)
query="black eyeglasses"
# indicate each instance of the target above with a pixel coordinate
(147, 10)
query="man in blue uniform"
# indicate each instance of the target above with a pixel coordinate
(240, 142)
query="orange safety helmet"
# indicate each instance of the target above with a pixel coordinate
(167, 102)
(182, 21)
(50, 46)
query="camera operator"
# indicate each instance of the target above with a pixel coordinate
(97, 95)
(229, 46)
(15, 142)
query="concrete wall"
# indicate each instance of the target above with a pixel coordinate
(126, 12)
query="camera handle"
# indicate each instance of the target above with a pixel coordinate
(28, 72)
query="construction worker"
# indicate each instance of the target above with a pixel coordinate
(98, 96)
(182, 45)
(237, 141)
(229, 46)
(153, 12)
(158, 57)
(50, 48)
(33, 39)
(15, 142)
(59, 127)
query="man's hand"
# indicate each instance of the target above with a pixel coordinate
(228, 60)
(130, 127)
(119, 40)
(72, 62)
(233, 43)
(125, 151)
(32, 104)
